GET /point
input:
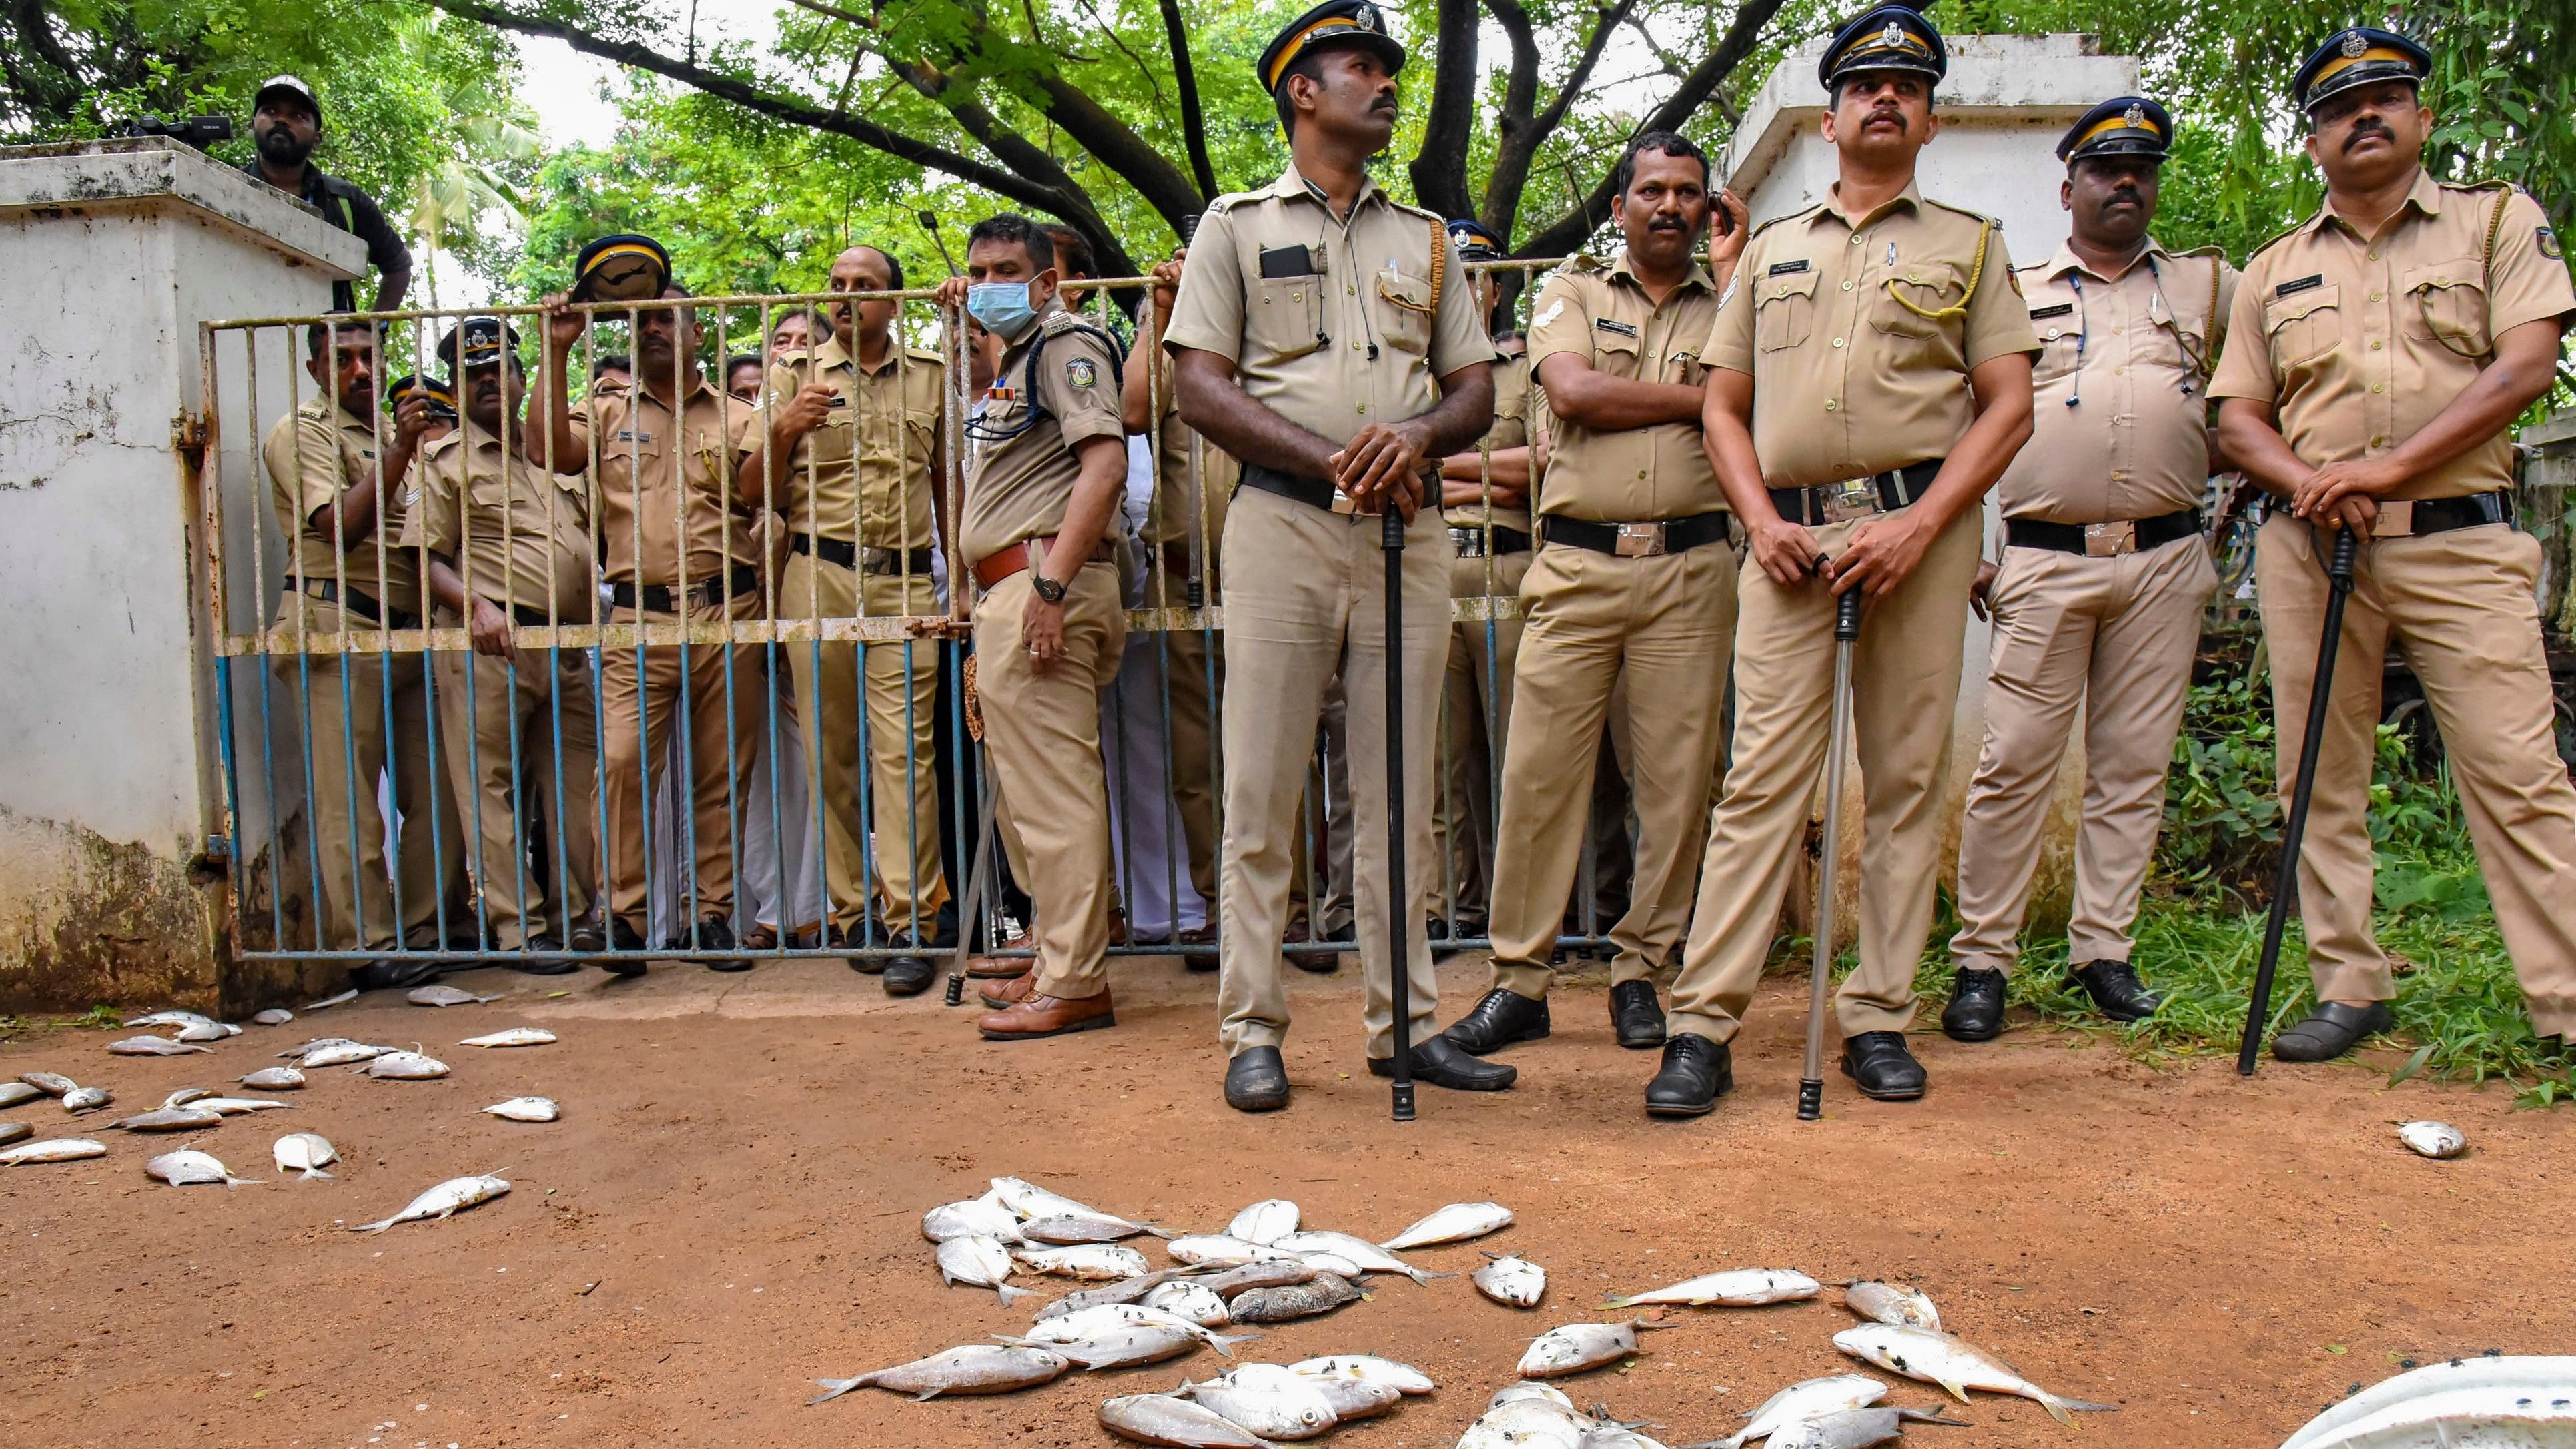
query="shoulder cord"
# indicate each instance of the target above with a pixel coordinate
(2486, 283)
(1439, 275)
(2202, 361)
(1976, 272)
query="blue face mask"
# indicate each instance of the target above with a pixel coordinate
(1003, 308)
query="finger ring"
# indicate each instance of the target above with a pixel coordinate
(1033, 651)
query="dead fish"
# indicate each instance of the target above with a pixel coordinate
(1404, 1378)
(1219, 1250)
(52, 1084)
(171, 1119)
(1357, 1398)
(1368, 1257)
(153, 1046)
(15, 1131)
(188, 1167)
(1615, 1436)
(974, 1368)
(339, 1054)
(274, 1016)
(980, 1262)
(183, 1097)
(1320, 1294)
(1118, 1347)
(13, 1093)
(1454, 1223)
(1110, 1317)
(1511, 1280)
(444, 995)
(1528, 1423)
(1529, 1389)
(1801, 1401)
(274, 1079)
(406, 1067)
(1092, 1262)
(1734, 1288)
(1268, 1400)
(517, 1036)
(1164, 1419)
(1271, 1273)
(329, 1001)
(443, 1201)
(2433, 1139)
(206, 1031)
(2493, 1399)
(1575, 1347)
(1856, 1428)
(1125, 1290)
(1193, 1301)
(238, 1106)
(52, 1149)
(976, 1215)
(1887, 1303)
(1333, 1263)
(1265, 1222)
(1032, 1201)
(1069, 1228)
(304, 1152)
(315, 1045)
(87, 1099)
(172, 1018)
(526, 1109)
(1955, 1364)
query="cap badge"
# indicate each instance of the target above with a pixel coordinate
(2354, 45)
(1365, 17)
(2135, 118)
(1893, 35)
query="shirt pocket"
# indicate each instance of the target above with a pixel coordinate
(2446, 303)
(2061, 348)
(2190, 338)
(1400, 305)
(1904, 297)
(2304, 326)
(1615, 354)
(1286, 317)
(1784, 310)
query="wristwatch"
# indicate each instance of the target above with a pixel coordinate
(1048, 589)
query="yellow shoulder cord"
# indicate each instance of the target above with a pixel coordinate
(1976, 272)
(1439, 274)
(2215, 333)
(2486, 280)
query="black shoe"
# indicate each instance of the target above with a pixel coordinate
(588, 937)
(2116, 990)
(1437, 1061)
(543, 957)
(1256, 1080)
(715, 933)
(396, 973)
(1499, 1020)
(1884, 1069)
(1321, 963)
(623, 937)
(2330, 1031)
(907, 975)
(1976, 1009)
(859, 940)
(1636, 1015)
(1696, 1072)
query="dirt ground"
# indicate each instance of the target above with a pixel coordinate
(729, 1210)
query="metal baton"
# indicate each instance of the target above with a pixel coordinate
(1811, 1081)
(1399, 886)
(976, 870)
(2294, 831)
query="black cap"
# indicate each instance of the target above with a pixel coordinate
(293, 86)
(623, 267)
(1891, 37)
(2121, 126)
(1476, 241)
(484, 339)
(1335, 22)
(442, 398)
(2357, 57)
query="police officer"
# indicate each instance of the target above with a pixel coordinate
(285, 127)
(1324, 336)
(339, 479)
(857, 428)
(1634, 585)
(2104, 577)
(2378, 353)
(1869, 379)
(509, 545)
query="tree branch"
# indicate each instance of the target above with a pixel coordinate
(1022, 155)
(1114, 145)
(1521, 141)
(1439, 169)
(1193, 115)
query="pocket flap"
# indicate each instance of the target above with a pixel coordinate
(2435, 276)
(2281, 310)
(1787, 284)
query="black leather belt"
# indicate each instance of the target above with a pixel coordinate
(663, 599)
(1856, 497)
(1636, 540)
(362, 605)
(2413, 518)
(532, 617)
(879, 561)
(1472, 540)
(1313, 492)
(2103, 540)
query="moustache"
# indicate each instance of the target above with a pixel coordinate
(2123, 194)
(2364, 130)
(1384, 103)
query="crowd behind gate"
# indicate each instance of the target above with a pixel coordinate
(1066, 631)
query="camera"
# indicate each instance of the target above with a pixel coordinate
(197, 131)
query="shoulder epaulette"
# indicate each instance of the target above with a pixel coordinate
(924, 354)
(2492, 183)
(1583, 262)
(2269, 241)
(1762, 227)
(1418, 211)
(1229, 201)
(1059, 323)
(2212, 250)
(438, 445)
(1975, 216)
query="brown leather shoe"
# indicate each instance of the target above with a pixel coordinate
(1203, 939)
(1002, 968)
(758, 937)
(1044, 1016)
(1010, 993)
(1117, 926)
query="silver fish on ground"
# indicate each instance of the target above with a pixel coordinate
(1615, 1436)
(1529, 1389)
(1271, 1273)
(1955, 1364)
(340, 1054)
(1511, 1280)
(1032, 1201)
(238, 1106)
(184, 1096)
(304, 1152)
(86, 1099)
(1092, 1262)
(2500, 1400)
(445, 1200)
(153, 1046)
(517, 1036)
(1125, 1290)
(52, 1149)
(274, 1079)
(1339, 1266)
(1110, 1317)
(980, 1262)
(1164, 1419)
(199, 1031)
(1576, 1347)
(188, 1167)
(15, 1132)
(1457, 1222)
(1119, 1346)
(1734, 1288)
(1404, 1378)
(525, 1109)
(52, 1084)
(1264, 1222)
(1528, 1423)
(441, 994)
(1065, 1229)
(1320, 1294)
(13, 1093)
(1887, 1303)
(1856, 1428)
(316, 1044)
(2433, 1139)
(976, 1215)
(1268, 1400)
(406, 1067)
(172, 1018)
(1193, 1301)
(972, 1368)
(274, 1016)
(170, 1119)
(1220, 1250)
(1357, 1398)
(1801, 1401)
(330, 1001)
(1367, 1256)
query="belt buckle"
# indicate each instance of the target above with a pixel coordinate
(2110, 540)
(1639, 540)
(1849, 499)
(1342, 502)
(2396, 519)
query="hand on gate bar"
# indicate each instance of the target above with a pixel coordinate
(1382, 463)
(490, 630)
(2353, 478)
(1882, 554)
(1786, 551)
(564, 326)
(951, 291)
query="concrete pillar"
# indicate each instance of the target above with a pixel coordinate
(111, 804)
(2003, 106)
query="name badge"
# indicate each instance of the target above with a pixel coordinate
(2060, 310)
(1779, 269)
(1622, 328)
(2287, 289)
(631, 435)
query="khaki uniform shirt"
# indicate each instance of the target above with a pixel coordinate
(2120, 394)
(871, 459)
(1022, 483)
(1600, 313)
(1849, 380)
(688, 482)
(1514, 397)
(2358, 342)
(516, 534)
(314, 454)
(1298, 301)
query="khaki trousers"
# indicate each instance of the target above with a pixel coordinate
(356, 729)
(2116, 636)
(1042, 734)
(1305, 597)
(1905, 686)
(1663, 627)
(1319, 883)
(1191, 736)
(2460, 608)
(1475, 720)
(712, 695)
(894, 799)
(524, 728)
